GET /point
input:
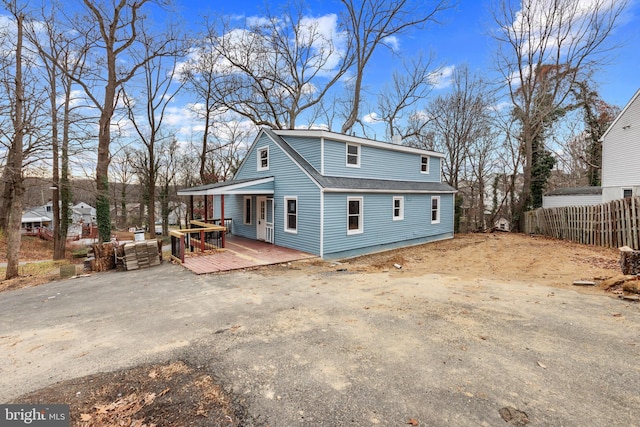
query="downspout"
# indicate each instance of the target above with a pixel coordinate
(322, 223)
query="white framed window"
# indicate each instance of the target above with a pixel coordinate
(424, 164)
(353, 155)
(435, 209)
(263, 158)
(247, 210)
(626, 193)
(355, 215)
(398, 208)
(291, 214)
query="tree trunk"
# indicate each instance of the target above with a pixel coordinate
(15, 162)
(103, 206)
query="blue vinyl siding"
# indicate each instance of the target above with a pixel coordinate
(290, 180)
(378, 224)
(309, 148)
(380, 231)
(378, 163)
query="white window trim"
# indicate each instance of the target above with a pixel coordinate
(437, 220)
(360, 228)
(286, 215)
(400, 217)
(259, 165)
(627, 189)
(428, 161)
(244, 210)
(346, 150)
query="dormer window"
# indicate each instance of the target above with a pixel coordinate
(263, 158)
(353, 155)
(424, 164)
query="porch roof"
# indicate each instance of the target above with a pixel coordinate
(234, 186)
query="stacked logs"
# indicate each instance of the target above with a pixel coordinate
(100, 257)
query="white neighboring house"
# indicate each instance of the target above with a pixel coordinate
(621, 154)
(32, 219)
(577, 196)
(620, 164)
(83, 213)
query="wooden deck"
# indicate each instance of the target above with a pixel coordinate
(242, 253)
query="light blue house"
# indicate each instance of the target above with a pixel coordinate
(334, 195)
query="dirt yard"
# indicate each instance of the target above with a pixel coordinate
(177, 394)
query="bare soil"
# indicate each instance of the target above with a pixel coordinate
(176, 394)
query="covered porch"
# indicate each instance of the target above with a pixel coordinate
(241, 253)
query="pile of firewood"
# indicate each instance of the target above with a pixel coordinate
(100, 257)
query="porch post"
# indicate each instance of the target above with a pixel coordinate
(206, 208)
(222, 221)
(190, 209)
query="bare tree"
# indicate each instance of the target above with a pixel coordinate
(13, 183)
(272, 70)
(160, 87)
(400, 98)
(169, 157)
(59, 61)
(373, 24)
(597, 116)
(122, 171)
(544, 48)
(457, 119)
(112, 31)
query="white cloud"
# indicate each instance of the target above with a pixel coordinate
(393, 42)
(371, 118)
(442, 77)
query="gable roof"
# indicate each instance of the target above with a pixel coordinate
(339, 184)
(264, 185)
(35, 215)
(318, 133)
(624, 110)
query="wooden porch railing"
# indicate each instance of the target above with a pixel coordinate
(200, 237)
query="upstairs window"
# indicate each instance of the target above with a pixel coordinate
(435, 209)
(398, 208)
(291, 214)
(424, 164)
(353, 155)
(263, 158)
(354, 215)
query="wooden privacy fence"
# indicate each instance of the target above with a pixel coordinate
(614, 224)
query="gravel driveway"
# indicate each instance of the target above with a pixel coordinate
(309, 346)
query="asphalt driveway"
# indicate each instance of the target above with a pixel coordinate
(305, 346)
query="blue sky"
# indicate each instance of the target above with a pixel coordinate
(461, 38)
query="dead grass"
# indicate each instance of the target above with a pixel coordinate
(39, 267)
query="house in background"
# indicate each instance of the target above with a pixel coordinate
(620, 164)
(621, 154)
(33, 219)
(83, 213)
(576, 196)
(42, 216)
(334, 195)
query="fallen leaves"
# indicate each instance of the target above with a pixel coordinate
(412, 422)
(124, 411)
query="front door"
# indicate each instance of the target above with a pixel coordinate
(261, 230)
